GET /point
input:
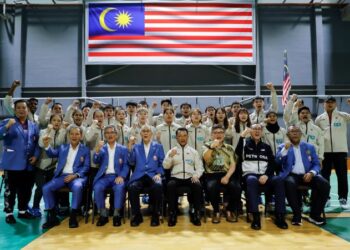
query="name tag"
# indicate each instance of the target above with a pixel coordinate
(337, 124)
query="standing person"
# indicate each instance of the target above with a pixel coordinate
(300, 166)
(198, 134)
(222, 120)
(131, 110)
(46, 166)
(46, 112)
(220, 166)
(147, 157)
(334, 125)
(20, 154)
(242, 122)
(186, 169)
(122, 128)
(235, 106)
(165, 104)
(113, 173)
(185, 109)
(258, 165)
(259, 113)
(209, 116)
(142, 119)
(72, 167)
(273, 134)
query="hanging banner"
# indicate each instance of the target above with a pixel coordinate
(186, 32)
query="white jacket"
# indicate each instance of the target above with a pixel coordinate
(335, 131)
(274, 140)
(185, 164)
(93, 135)
(313, 135)
(106, 121)
(167, 135)
(261, 116)
(237, 135)
(123, 134)
(197, 136)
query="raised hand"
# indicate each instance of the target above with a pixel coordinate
(10, 123)
(99, 146)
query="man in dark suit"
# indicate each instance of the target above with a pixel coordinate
(147, 157)
(20, 153)
(72, 166)
(113, 173)
(300, 166)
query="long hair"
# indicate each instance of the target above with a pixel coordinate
(237, 121)
(225, 120)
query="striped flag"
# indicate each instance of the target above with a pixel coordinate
(215, 32)
(286, 80)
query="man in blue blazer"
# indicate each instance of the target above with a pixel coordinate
(113, 173)
(72, 167)
(20, 153)
(300, 166)
(147, 157)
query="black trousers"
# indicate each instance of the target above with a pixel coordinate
(320, 189)
(232, 191)
(172, 193)
(41, 177)
(339, 162)
(145, 184)
(20, 184)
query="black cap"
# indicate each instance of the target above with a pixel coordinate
(258, 97)
(131, 103)
(271, 112)
(303, 108)
(330, 99)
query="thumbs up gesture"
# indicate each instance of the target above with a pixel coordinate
(99, 146)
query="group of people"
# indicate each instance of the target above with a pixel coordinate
(130, 151)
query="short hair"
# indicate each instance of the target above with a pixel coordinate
(257, 125)
(142, 110)
(108, 106)
(217, 126)
(95, 112)
(77, 111)
(236, 103)
(166, 100)
(143, 103)
(146, 127)
(56, 104)
(181, 130)
(19, 101)
(111, 127)
(131, 103)
(73, 126)
(208, 107)
(165, 110)
(303, 108)
(53, 115)
(258, 97)
(185, 104)
(33, 99)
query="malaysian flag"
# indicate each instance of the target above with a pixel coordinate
(215, 32)
(286, 80)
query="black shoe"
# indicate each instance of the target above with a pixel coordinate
(136, 220)
(172, 220)
(26, 215)
(317, 220)
(256, 225)
(155, 221)
(73, 223)
(196, 219)
(102, 220)
(51, 220)
(117, 221)
(10, 219)
(296, 220)
(281, 222)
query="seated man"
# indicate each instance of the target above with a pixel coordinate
(112, 173)
(300, 166)
(72, 166)
(220, 166)
(186, 169)
(147, 157)
(258, 164)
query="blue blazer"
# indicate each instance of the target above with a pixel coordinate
(18, 147)
(81, 163)
(308, 155)
(121, 166)
(151, 166)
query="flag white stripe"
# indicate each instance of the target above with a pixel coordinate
(199, 17)
(159, 33)
(196, 25)
(170, 59)
(196, 9)
(170, 42)
(169, 50)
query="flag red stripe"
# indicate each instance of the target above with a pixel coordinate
(198, 21)
(196, 13)
(152, 29)
(184, 46)
(157, 38)
(194, 54)
(199, 5)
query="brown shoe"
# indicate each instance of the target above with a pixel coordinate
(230, 217)
(216, 218)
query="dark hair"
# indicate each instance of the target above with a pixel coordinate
(32, 99)
(55, 104)
(181, 129)
(52, 116)
(303, 108)
(225, 120)
(73, 126)
(143, 103)
(237, 121)
(166, 100)
(208, 107)
(165, 110)
(108, 106)
(19, 101)
(217, 126)
(185, 104)
(77, 111)
(236, 103)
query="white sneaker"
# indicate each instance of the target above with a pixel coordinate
(344, 204)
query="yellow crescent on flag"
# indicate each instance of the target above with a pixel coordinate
(102, 19)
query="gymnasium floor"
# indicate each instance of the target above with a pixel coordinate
(29, 235)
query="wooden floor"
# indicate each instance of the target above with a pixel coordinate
(185, 236)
